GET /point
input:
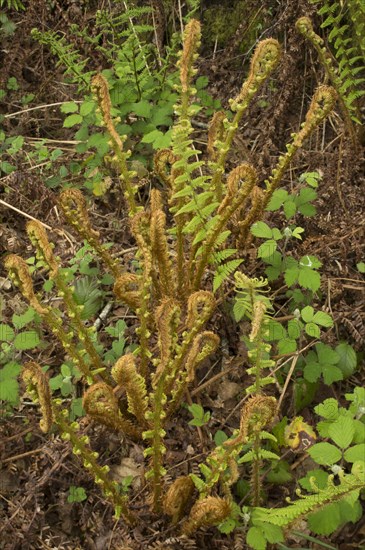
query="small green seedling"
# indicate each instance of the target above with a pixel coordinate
(200, 417)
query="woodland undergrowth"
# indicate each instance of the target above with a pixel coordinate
(191, 238)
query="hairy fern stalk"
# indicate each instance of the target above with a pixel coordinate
(183, 236)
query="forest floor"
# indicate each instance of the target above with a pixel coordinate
(37, 470)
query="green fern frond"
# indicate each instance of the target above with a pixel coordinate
(67, 56)
(346, 22)
(223, 271)
(349, 484)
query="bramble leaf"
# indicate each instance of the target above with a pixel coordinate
(325, 453)
(342, 431)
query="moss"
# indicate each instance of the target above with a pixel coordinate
(221, 21)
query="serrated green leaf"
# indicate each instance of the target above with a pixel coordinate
(357, 452)
(325, 521)
(276, 234)
(320, 480)
(328, 409)
(348, 360)
(311, 178)
(6, 333)
(323, 319)
(310, 261)
(276, 331)
(28, 339)
(294, 330)
(152, 136)
(86, 108)
(227, 526)
(69, 107)
(20, 321)
(267, 249)
(65, 370)
(312, 371)
(297, 233)
(286, 346)
(280, 473)
(261, 229)
(325, 453)
(76, 494)
(331, 374)
(72, 120)
(342, 431)
(307, 314)
(278, 198)
(9, 387)
(273, 533)
(308, 278)
(312, 330)
(326, 355)
(255, 539)
(201, 82)
(289, 209)
(142, 108)
(291, 275)
(6, 167)
(307, 210)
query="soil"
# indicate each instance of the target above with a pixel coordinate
(37, 470)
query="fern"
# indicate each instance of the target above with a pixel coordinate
(349, 484)
(223, 271)
(126, 36)
(346, 25)
(12, 4)
(67, 56)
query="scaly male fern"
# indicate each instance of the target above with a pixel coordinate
(179, 238)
